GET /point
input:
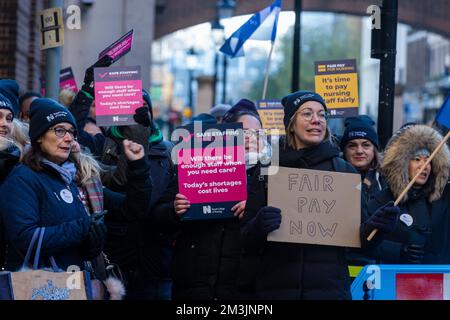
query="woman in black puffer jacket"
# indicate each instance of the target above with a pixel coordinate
(275, 270)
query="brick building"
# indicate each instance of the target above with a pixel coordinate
(20, 56)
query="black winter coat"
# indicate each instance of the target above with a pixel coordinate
(8, 159)
(430, 227)
(207, 258)
(372, 184)
(80, 109)
(272, 270)
(144, 248)
(437, 249)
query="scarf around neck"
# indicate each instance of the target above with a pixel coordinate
(67, 170)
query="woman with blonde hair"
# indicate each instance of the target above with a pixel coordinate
(119, 207)
(291, 270)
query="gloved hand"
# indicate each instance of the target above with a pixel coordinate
(95, 240)
(267, 220)
(88, 85)
(412, 253)
(385, 218)
(142, 116)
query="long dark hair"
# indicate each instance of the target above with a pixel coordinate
(34, 157)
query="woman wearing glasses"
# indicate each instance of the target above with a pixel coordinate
(286, 270)
(42, 192)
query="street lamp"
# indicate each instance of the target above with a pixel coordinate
(225, 8)
(191, 65)
(217, 31)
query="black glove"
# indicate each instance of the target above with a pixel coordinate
(385, 218)
(95, 240)
(142, 116)
(88, 85)
(267, 219)
(412, 253)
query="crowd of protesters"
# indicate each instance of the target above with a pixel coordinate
(110, 195)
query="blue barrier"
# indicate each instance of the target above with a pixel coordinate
(395, 282)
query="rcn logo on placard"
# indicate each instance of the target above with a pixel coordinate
(207, 209)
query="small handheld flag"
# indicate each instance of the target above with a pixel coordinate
(261, 26)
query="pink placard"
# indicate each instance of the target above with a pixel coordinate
(118, 93)
(67, 80)
(119, 48)
(212, 175)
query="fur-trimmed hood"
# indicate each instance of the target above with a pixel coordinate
(402, 147)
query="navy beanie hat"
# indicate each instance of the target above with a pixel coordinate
(360, 127)
(5, 103)
(10, 89)
(146, 97)
(242, 107)
(293, 101)
(45, 113)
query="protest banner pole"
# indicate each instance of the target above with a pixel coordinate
(411, 183)
(266, 78)
(53, 62)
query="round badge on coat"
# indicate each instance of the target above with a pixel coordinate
(406, 219)
(66, 195)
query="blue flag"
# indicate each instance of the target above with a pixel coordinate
(261, 26)
(443, 115)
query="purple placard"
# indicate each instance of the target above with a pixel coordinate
(67, 80)
(119, 48)
(118, 92)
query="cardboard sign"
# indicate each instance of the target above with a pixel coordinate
(337, 82)
(118, 93)
(119, 48)
(52, 28)
(317, 207)
(211, 169)
(271, 113)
